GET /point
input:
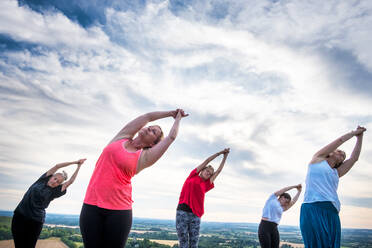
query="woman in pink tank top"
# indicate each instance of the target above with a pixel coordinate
(106, 216)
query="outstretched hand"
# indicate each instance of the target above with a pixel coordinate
(80, 161)
(299, 187)
(179, 113)
(225, 152)
(360, 130)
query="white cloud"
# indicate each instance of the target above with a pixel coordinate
(264, 96)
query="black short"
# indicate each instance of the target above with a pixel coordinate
(268, 234)
(102, 227)
(25, 231)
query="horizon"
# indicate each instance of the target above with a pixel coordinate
(172, 220)
(273, 80)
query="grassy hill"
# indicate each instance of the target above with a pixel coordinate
(5, 220)
(5, 223)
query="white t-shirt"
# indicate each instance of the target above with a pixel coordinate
(322, 184)
(272, 210)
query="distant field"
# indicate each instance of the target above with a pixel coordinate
(160, 241)
(292, 244)
(165, 242)
(140, 231)
(41, 243)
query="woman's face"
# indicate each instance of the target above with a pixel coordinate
(150, 134)
(338, 155)
(55, 180)
(284, 202)
(206, 173)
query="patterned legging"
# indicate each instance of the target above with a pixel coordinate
(187, 225)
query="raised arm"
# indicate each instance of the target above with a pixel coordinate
(73, 177)
(295, 198)
(325, 151)
(218, 171)
(151, 155)
(283, 190)
(54, 169)
(206, 162)
(129, 130)
(348, 164)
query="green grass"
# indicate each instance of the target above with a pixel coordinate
(5, 220)
(78, 244)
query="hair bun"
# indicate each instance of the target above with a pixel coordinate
(64, 175)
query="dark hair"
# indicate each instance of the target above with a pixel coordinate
(286, 196)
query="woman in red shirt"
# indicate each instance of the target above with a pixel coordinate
(106, 216)
(191, 204)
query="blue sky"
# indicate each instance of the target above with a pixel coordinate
(273, 80)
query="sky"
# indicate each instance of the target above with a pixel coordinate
(273, 80)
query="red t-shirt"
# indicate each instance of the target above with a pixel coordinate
(110, 185)
(193, 192)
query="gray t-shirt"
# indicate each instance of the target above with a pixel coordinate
(37, 199)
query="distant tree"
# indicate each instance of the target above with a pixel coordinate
(146, 243)
(68, 242)
(156, 229)
(5, 233)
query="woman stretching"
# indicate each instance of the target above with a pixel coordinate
(29, 215)
(191, 204)
(319, 220)
(106, 215)
(278, 202)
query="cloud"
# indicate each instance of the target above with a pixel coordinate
(275, 81)
(364, 202)
(347, 71)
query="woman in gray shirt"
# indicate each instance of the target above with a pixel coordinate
(29, 215)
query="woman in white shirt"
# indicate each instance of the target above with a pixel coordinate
(319, 220)
(277, 203)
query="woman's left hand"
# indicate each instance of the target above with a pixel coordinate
(299, 187)
(360, 130)
(180, 114)
(80, 161)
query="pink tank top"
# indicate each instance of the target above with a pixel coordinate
(110, 185)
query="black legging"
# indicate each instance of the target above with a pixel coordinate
(25, 231)
(268, 234)
(104, 227)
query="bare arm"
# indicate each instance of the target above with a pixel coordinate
(218, 171)
(129, 130)
(348, 164)
(54, 169)
(295, 198)
(206, 162)
(151, 155)
(283, 190)
(325, 151)
(73, 177)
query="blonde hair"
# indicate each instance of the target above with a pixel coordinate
(63, 174)
(208, 167)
